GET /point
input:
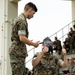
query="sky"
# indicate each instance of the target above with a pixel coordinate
(52, 15)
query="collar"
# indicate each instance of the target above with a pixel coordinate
(24, 15)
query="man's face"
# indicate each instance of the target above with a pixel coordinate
(71, 60)
(31, 13)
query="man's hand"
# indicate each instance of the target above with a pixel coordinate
(36, 44)
(64, 51)
(45, 50)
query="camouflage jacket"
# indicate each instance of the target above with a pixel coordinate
(19, 23)
(71, 68)
(48, 65)
(18, 48)
(57, 44)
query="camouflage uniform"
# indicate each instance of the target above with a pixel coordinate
(71, 68)
(72, 43)
(58, 45)
(18, 50)
(67, 44)
(48, 65)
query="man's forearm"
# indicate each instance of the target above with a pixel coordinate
(37, 60)
(26, 40)
(65, 63)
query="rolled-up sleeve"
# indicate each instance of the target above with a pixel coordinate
(21, 27)
(59, 61)
(21, 32)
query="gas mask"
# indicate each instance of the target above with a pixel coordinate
(48, 43)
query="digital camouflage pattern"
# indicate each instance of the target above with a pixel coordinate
(58, 45)
(17, 65)
(72, 43)
(48, 65)
(18, 50)
(71, 68)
